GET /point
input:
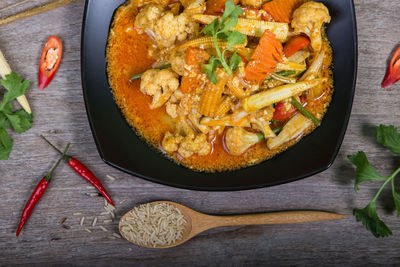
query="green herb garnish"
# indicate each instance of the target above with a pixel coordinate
(19, 120)
(304, 111)
(284, 73)
(221, 29)
(389, 137)
(277, 130)
(137, 76)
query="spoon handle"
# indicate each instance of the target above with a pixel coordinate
(281, 217)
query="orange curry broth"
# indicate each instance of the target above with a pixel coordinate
(127, 55)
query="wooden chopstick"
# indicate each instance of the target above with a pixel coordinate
(14, 5)
(34, 11)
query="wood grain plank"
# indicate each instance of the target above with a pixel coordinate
(61, 116)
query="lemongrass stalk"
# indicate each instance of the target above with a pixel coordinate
(294, 128)
(274, 95)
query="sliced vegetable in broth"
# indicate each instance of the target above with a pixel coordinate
(195, 111)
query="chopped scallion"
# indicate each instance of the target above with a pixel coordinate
(260, 136)
(304, 111)
(283, 78)
(282, 73)
(137, 76)
(285, 72)
(277, 130)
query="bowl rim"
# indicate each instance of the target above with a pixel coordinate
(228, 188)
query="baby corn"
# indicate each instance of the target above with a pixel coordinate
(211, 97)
(224, 106)
(235, 88)
(205, 43)
(274, 95)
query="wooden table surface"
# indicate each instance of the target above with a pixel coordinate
(60, 115)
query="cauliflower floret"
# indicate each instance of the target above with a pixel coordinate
(178, 95)
(252, 3)
(160, 84)
(308, 19)
(171, 142)
(177, 60)
(163, 26)
(194, 7)
(171, 109)
(188, 102)
(238, 140)
(170, 28)
(194, 143)
(260, 121)
(147, 17)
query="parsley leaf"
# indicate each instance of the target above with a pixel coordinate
(15, 86)
(4, 122)
(222, 29)
(389, 137)
(6, 144)
(235, 61)
(235, 38)
(370, 219)
(365, 171)
(19, 120)
(231, 11)
(211, 28)
(209, 69)
(229, 25)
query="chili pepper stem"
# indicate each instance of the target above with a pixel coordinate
(64, 156)
(82, 171)
(37, 194)
(50, 174)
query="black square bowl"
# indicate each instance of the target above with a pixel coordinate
(120, 147)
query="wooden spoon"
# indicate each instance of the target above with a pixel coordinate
(197, 222)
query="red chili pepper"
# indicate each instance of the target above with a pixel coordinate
(295, 44)
(244, 59)
(49, 61)
(84, 172)
(281, 113)
(393, 71)
(37, 195)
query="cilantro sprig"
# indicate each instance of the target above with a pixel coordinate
(222, 29)
(389, 137)
(20, 121)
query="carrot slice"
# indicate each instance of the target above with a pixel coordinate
(194, 57)
(267, 54)
(295, 44)
(216, 7)
(393, 70)
(282, 10)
